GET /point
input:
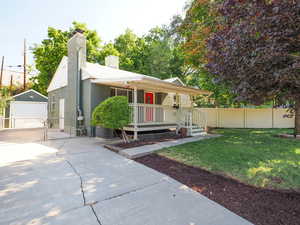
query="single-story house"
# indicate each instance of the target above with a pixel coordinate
(78, 87)
(27, 110)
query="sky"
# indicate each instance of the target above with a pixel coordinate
(30, 19)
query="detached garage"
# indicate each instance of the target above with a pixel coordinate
(27, 110)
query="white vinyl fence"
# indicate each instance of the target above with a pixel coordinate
(1, 122)
(248, 118)
(22, 122)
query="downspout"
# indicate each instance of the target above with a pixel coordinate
(78, 97)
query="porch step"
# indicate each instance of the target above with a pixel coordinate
(197, 133)
(198, 129)
(193, 127)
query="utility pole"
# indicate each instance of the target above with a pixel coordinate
(11, 83)
(1, 74)
(24, 64)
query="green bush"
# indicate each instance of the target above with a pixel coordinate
(112, 113)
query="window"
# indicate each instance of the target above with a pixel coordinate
(130, 96)
(122, 92)
(159, 98)
(176, 99)
(112, 92)
(52, 103)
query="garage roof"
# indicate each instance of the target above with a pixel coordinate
(30, 96)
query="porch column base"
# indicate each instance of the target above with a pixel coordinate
(135, 136)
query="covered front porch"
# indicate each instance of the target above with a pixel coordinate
(157, 104)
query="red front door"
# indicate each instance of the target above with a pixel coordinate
(148, 98)
(149, 110)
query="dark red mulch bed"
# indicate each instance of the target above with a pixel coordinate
(261, 207)
(141, 143)
(147, 141)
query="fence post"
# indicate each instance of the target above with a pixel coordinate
(272, 117)
(244, 117)
(218, 119)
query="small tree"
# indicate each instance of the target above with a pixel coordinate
(113, 113)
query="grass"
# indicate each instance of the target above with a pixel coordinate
(253, 156)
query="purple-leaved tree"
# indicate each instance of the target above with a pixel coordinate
(256, 51)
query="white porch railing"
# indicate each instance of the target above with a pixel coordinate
(160, 114)
(153, 114)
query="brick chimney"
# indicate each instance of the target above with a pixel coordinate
(76, 60)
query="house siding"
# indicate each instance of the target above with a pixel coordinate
(92, 95)
(53, 107)
(185, 100)
(98, 94)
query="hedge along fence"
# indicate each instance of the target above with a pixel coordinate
(248, 118)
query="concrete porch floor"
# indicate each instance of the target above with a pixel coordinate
(76, 181)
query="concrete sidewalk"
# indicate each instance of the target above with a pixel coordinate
(78, 182)
(132, 153)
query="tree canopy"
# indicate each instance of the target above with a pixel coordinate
(153, 54)
(201, 20)
(255, 51)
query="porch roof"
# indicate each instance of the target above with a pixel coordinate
(120, 78)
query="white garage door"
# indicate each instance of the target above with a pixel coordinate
(27, 114)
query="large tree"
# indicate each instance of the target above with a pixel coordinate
(256, 51)
(127, 45)
(155, 53)
(49, 53)
(200, 21)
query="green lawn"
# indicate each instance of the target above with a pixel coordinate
(253, 156)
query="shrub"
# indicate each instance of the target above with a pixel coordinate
(113, 113)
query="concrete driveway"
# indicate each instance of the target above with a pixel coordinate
(78, 182)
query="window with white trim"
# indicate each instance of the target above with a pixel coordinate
(122, 92)
(52, 104)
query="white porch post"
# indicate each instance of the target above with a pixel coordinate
(191, 115)
(135, 113)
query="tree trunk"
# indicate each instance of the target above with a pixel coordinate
(124, 136)
(297, 118)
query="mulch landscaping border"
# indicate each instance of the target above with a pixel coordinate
(146, 140)
(258, 205)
